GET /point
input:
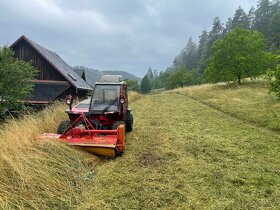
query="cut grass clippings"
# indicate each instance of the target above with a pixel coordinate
(185, 155)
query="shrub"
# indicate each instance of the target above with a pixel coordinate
(274, 80)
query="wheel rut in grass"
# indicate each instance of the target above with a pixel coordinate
(253, 123)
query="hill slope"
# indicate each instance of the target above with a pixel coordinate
(93, 75)
(183, 153)
(249, 102)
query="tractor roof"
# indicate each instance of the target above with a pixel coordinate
(111, 79)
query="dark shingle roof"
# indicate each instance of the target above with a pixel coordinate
(80, 72)
(59, 64)
(48, 91)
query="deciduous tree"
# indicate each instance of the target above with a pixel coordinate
(274, 80)
(239, 55)
(15, 79)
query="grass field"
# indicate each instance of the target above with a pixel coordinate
(184, 153)
(250, 101)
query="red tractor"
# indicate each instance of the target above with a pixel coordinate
(99, 124)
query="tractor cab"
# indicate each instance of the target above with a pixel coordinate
(109, 96)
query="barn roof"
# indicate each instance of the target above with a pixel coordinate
(58, 63)
(45, 90)
(80, 72)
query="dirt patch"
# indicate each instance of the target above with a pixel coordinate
(153, 123)
(150, 159)
(92, 161)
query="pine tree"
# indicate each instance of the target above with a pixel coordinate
(150, 74)
(145, 86)
(215, 34)
(190, 54)
(228, 27)
(275, 7)
(251, 17)
(155, 73)
(201, 50)
(263, 15)
(240, 19)
(273, 38)
(203, 38)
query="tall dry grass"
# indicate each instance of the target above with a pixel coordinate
(42, 174)
(38, 174)
(133, 96)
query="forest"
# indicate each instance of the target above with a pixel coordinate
(246, 46)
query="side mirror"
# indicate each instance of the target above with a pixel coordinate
(69, 101)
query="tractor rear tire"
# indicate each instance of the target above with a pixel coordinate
(63, 125)
(117, 124)
(129, 123)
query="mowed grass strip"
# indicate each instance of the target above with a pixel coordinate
(183, 154)
(250, 101)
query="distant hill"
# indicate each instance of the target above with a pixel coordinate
(93, 75)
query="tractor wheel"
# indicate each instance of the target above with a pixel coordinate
(129, 123)
(63, 125)
(117, 124)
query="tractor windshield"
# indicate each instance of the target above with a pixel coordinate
(105, 97)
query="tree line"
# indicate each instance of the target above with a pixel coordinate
(245, 46)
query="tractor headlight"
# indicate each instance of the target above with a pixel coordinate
(122, 100)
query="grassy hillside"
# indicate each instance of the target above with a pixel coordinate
(249, 102)
(183, 153)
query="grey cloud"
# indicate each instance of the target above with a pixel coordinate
(121, 34)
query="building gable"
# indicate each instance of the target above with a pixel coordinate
(46, 71)
(52, 60)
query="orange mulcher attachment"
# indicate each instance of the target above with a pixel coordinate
(108, 143)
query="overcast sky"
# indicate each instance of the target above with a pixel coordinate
(128, 35)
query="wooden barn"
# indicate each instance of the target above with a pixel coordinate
(55, 78)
